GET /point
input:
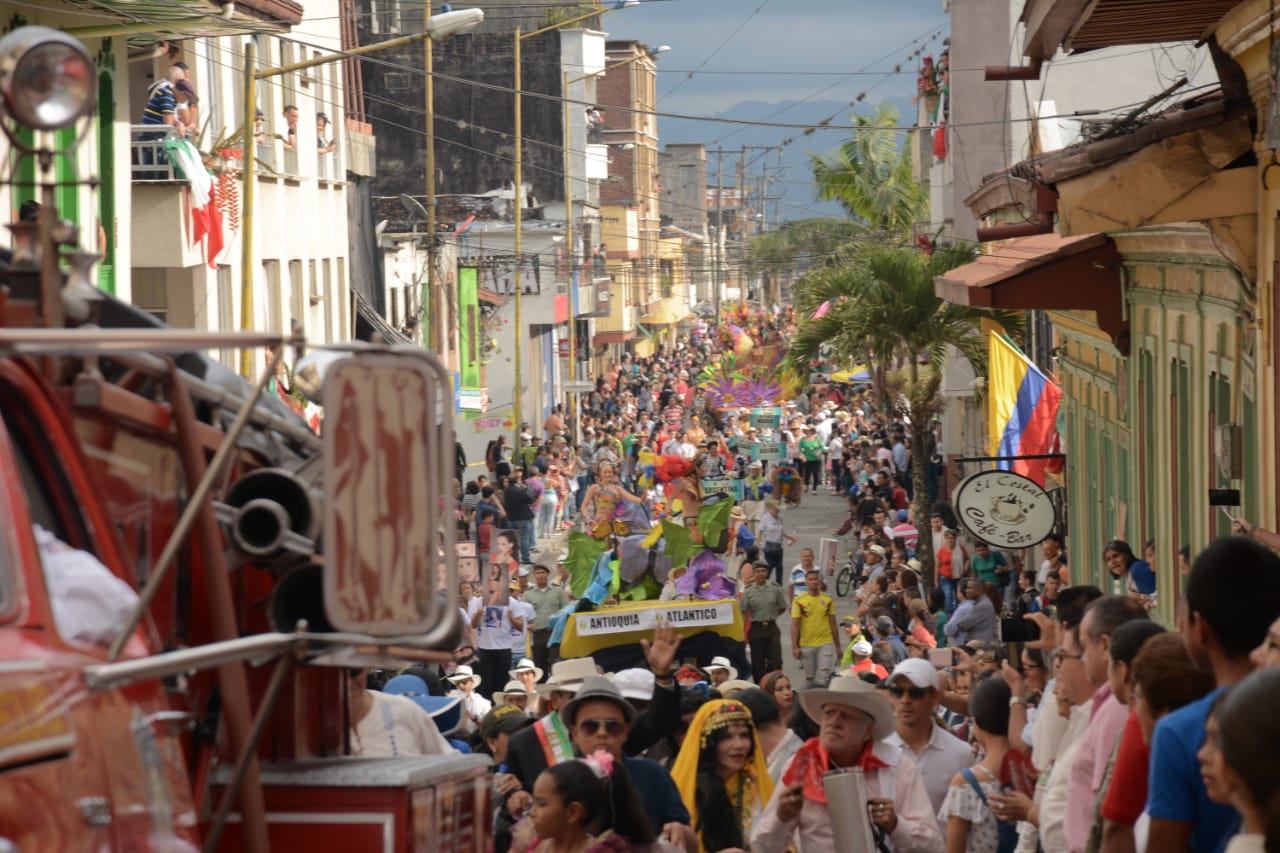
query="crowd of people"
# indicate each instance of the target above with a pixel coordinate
(1000, 707)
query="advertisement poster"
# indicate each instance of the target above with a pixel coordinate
(826, 561)
(503, 565)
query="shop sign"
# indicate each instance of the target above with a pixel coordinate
(1004, 509)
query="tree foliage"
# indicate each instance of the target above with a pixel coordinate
(870, 176)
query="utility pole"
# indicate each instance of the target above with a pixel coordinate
(740, 274)
(719, 283)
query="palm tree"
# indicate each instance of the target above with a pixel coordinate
(882, 307)
(870, 176)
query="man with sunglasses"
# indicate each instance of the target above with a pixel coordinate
(600, 717)
(938, 755)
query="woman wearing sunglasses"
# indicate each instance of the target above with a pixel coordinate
(721, 775)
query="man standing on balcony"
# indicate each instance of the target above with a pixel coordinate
(324, 144)
(162, 109)
(291, 122)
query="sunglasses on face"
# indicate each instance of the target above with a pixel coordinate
(613, 728)
(913, 692)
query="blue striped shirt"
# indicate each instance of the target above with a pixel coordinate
(160, 103)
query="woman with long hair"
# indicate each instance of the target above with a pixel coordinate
(587, 805)
(602, 502)
(722, 776)
(777, 685)
(1138, 577)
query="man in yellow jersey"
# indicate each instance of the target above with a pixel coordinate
(813, 632)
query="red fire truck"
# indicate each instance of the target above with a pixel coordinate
(187, 570)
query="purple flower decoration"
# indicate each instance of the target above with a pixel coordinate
(725, 393)
(764, 393)
(706, 579)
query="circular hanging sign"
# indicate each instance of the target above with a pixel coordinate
(1005, 509)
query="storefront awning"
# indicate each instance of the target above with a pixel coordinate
(145, 22)
(620, 336)
(1045, 272)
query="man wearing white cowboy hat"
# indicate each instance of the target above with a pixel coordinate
(721, 670)
(465, 683)
(514, 693)
(853, 716)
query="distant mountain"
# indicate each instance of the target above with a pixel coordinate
(793, 183)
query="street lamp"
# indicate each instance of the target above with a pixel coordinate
(568, 203)
(437, 27)
(518, 391)
(47, 82)
(459, 22)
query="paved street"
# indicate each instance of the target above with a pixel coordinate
(817, 516)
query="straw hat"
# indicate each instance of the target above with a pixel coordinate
(737, 514)
(852, 693)
(567, 676)
(720, 662)
(526, 665)
(464, 673)
(513, 688)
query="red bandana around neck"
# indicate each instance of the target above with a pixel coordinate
(812, 762)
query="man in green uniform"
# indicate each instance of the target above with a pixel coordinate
(762, 603)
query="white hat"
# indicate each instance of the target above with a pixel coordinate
(918, 671)
(876, 549)
(524, 572)
(851, 692)
(464, 673)
(635, 683)
(513, 688)
(862, 649)
(525, 436)
(526, 665)
(720, 662)
(567, 676)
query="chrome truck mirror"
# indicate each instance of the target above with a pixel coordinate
(389, 528)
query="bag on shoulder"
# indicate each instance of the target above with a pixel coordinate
(1007, 831)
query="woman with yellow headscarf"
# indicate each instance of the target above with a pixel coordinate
(721, 775)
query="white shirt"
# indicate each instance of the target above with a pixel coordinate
(474, 707)
(396, 726)
(518, 638)
(490, 636)
(835, 449)
(771, 530)
(942, 758)
(1053, 805)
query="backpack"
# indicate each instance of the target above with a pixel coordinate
(1007, 831)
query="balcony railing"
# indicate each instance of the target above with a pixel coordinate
(149, 161)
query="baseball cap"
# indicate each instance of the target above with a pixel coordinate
(862, 649)
(849, 620)
(504, 718)
(902, 515)
(884, 625)
(918, 671)
(635, 684)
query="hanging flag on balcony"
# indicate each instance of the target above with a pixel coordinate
(1022, 410)
(206, 218)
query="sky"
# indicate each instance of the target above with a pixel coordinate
(816, 41)
(809, 59)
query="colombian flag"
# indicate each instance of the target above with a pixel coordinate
(1022, 410)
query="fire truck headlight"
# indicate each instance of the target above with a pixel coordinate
(47, 78)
